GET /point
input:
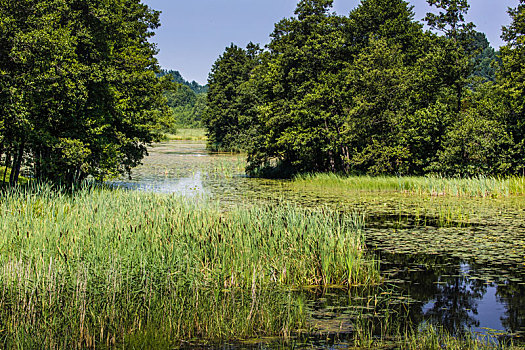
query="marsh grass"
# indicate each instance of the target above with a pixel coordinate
(433, 185)
(436, 338)
(197, 134)
(98, 267)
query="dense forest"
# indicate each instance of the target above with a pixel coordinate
(82, 95)
(187, 101)
(374, 93)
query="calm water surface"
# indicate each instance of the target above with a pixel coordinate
(457, 263)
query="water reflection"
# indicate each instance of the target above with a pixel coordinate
(457, 268)
(450, 294)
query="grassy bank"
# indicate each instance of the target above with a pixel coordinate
(198, 134)
(103, 267)
(434, 186)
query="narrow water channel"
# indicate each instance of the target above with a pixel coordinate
(455, 263)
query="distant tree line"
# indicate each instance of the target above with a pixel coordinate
(78, 92)
(187, 102)
(374, 93)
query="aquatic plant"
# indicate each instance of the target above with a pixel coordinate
(194, 134)
(98, 267)
(480, 186)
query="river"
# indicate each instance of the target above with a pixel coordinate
(458, 263)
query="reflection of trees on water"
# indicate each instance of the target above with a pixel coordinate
(439, 281)
(512, 295)
(453, 302)
(446, 295)
(456, 303)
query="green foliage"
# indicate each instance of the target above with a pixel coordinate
(176, 77)
(348, 93)
(187, 107)
(228, 109)
(478, 143)
(373, 93)
(187, 102)
(78, 90)
(486, 60)
(511, 78)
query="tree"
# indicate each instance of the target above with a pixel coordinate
(225, 112)
(78, 87)
(485, 58)
(451, 21)
(341, 93)
(296, 130)
(478, 142)
(511, 78)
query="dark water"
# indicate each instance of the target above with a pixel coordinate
(456, 263)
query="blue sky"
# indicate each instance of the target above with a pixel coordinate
(195, 32)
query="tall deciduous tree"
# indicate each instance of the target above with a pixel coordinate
(79, 92)
(451, 21)
(343, 93)
(226, 110)
(511, 77)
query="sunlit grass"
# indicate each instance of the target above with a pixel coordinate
(433, 185)
(102, 267)
(432, 338)
(21, 180)
(197, 134)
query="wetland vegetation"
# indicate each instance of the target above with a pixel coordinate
(453, 262)
(385, 206)
(111, 266)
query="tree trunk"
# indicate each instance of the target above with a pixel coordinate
(2, 148)
(15, 171)
(7, 161)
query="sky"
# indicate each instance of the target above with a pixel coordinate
(194, 33)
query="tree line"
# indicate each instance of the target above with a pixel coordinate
(187, 102)
(374, 93)
(79, 95)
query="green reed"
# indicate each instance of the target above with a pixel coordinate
(436, 338)
(186, 134)
(102, 267)
(480, 186)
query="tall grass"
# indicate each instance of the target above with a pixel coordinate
(101, 267)
(195, 134)
(432, 338)
(433, 185)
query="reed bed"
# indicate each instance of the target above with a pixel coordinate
(99, 268)
(432, 338)
(433, 185)
(195, 134)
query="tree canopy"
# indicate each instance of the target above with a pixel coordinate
(78, 90)
(373, 93)
(187, 102)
